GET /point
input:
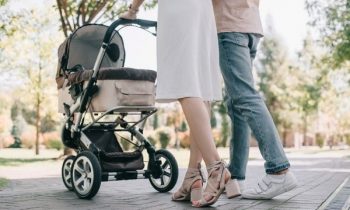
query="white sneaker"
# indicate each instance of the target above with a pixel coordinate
(271, 185)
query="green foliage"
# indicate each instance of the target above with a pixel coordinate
(273, 68)
(347, 138)
(332, 19)
(213, 120)
(29, 115)
(3, 183)
(152, 140)
(15, 110)
(48, 123)
(320, 140)
(163, 137)
(74, 14)
(18, 124)
(20, 161)
(183, 126)
(310, 99)
(225, 125)
(3, 2)
(155, 121)
(55, 144)
(225, 131)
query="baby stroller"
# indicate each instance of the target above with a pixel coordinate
(100, 99)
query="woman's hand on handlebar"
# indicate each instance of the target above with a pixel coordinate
(131, 14)
(128, 15)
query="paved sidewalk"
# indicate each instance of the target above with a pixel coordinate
(323, 184)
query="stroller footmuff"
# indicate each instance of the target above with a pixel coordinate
(101, 99)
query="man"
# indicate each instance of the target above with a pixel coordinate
(239, 30)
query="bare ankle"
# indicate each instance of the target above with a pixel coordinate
(284, 171)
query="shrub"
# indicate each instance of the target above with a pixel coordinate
(184, 139)
(164, 137)
(152, 140)
(6, 141)
(52, 140)
(55, 144)
(319, 140)
(347, 138)
(28, 139)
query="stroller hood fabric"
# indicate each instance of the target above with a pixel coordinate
(82, 47)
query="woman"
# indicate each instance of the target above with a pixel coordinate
(188, 72)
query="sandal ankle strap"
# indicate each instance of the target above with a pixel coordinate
(194, 172)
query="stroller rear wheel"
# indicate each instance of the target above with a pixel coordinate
(86, 175)
(170, 172)
(66, 172)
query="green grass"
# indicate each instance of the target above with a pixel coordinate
(19, 161)
(3, 183)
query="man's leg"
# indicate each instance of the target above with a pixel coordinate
(239, 144)
(236, 53)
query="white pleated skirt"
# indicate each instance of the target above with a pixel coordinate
(187, 51)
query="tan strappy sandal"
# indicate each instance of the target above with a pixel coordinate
(217, 175)
(187, 191)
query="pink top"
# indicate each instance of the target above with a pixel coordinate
(238, 16)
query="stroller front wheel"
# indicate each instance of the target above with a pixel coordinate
(66, 172)
(170, 171)
(86, 175)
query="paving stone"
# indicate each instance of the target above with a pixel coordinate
(49, 193)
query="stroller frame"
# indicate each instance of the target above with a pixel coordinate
(88, 153)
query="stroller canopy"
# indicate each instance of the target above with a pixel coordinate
(82, 47)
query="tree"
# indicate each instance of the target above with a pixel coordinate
(28, 47)
(277, 81)
(312, 76)
(332, 19)
(74, 14)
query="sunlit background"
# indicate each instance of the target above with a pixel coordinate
(301, 70)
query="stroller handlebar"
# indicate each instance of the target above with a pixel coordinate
(115, 24)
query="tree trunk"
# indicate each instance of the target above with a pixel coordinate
(177, 140)
(284, 137)
(37, 125)
(305, 143)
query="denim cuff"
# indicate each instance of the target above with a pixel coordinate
(238, 177)
(278, 168)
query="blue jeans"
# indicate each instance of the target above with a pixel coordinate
(246, 107)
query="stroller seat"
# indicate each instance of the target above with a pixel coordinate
(117, 87)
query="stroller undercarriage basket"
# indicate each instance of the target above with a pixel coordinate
(113, 158)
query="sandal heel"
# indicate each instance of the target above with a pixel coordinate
(196, 194)
(232, 188)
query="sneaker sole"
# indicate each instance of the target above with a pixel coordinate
(283, 190)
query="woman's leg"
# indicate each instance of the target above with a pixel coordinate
(193, 178)
(195, 154)
(198, 118)
(196, 114)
